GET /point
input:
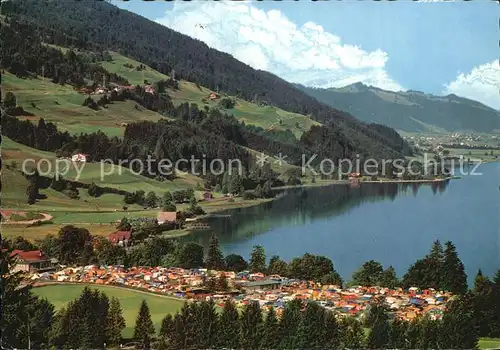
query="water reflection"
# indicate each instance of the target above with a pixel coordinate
(299, 206)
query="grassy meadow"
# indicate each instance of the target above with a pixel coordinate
(475, 154)
(39, 232)
(267, 117)
(489, 343)
(130, 301)
(62, 105)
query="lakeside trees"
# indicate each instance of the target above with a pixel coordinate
(440, 269)
(215, 259)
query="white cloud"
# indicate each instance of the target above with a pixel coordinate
(269, 41)
(481, 84)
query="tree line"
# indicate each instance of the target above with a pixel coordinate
(94, 321)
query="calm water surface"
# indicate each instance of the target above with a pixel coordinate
(393, 224)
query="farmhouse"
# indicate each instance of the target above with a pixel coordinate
(166, 216)
(79, 157)
(31, 261)
(149, 89)
(213, 96)
(120, 238)
(101, 90)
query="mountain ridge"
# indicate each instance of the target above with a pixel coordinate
(411, 110)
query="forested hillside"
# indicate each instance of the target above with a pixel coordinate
(99, 26)
(410, 111)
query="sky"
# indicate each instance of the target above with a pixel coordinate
(433, 46)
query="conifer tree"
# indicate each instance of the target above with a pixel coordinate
(84, 323)
(235, 184)
(166, 332)
(251, 326)
(428, 333)
(215, 259)
(151, 199)
(389, 278)
(271, 331)
(258, 259)
(434, 262)
(177, 338)
(225, 182)
(116, 323)
(25, 319)
(189, 325)
(167, 198)
(144, 329)
(379, 330)
(289, 323)
(496, 279)
(207, 325)
(495, 328)
(277, 266)
(453, 276)
(369, 274)
(412, 334)
(351, 333)
(459, 326)
(485, 305)
(229, 328)
(331, 331)
(397, 333)
(310, 331)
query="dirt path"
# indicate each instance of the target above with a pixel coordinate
(46, 217)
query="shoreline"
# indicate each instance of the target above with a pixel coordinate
(409, 181)
(219, 205)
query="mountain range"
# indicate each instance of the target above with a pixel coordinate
(410, 111)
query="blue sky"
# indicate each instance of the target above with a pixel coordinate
(434, 47)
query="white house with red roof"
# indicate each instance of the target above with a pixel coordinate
(31, 261)
(79, 157)
(149, 89)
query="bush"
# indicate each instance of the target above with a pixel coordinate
(72, 193)
(90, 103)
(197, 210)
(9, 100)
(169, 207)
(226, 103)
(249, 195)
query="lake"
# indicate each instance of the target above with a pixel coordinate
(394, 224)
